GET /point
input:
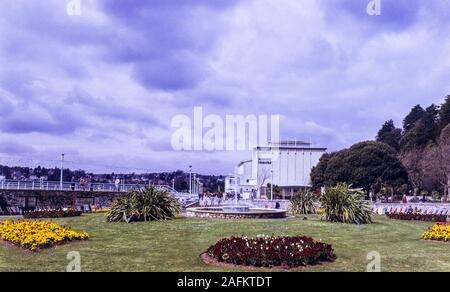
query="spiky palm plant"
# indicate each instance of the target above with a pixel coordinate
(304, 203)
(342, 204)
(147, 204)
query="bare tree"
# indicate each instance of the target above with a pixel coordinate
(433, 175)
(263, 176)
(444, 161)
(412, 160)
(436, 164)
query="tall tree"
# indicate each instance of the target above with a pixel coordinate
(412, 161)
(430, 163)
(424, 132)
(363, 165)
(390, 135)
(444, 161)
(444, 113)
(412, 118)
(431, 123)
(414, 138)
(318, 178)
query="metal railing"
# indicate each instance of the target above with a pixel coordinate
(75, 186)
(184, 198)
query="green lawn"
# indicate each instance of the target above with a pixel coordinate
(176, 245)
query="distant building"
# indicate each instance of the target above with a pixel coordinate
(287, 165)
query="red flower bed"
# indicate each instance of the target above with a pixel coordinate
(51, 214)
(269, 251)
(417, 217)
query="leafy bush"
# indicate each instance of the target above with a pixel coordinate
(147, 204)
(304, 203)
(436, 196)
(417, 217)
(51, 214)
(345, 205)
(270, 251)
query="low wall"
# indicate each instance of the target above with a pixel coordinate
(54, 199)
(284, 204)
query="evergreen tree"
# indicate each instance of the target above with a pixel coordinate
(417, 138)
(444, 113)
(424, 132)
(412, 118)
(431, 122)
(390, 135)
(363, 165)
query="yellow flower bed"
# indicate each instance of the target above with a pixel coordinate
(37, 235)
(439, 231)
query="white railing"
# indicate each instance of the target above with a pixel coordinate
(184, 198)
(75, 186)
(66, 186)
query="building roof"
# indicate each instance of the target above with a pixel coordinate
(294, 145)
(290, 143)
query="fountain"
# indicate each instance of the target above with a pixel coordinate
(236, 212)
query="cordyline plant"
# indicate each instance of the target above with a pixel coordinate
(147, 204)
(304, 203)
(342, 204)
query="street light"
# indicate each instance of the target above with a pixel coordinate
(61, 178)
(271, 186)
(236, 185)
(195, 183)
(190, 179)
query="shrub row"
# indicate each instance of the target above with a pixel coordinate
(417, 217)
(51, 214)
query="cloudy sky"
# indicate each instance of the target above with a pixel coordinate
(103, 86)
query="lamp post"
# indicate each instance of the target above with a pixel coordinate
(62, 172)
(271, 186)
(235, 185)
(195, 184)
(190, 179)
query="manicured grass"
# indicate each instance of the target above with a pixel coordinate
(176, 245)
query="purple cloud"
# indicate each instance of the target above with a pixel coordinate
(165, 45)
(8, 147)
(104, 86)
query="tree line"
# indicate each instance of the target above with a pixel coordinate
(414, 158)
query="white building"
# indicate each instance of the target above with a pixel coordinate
(286, 165)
